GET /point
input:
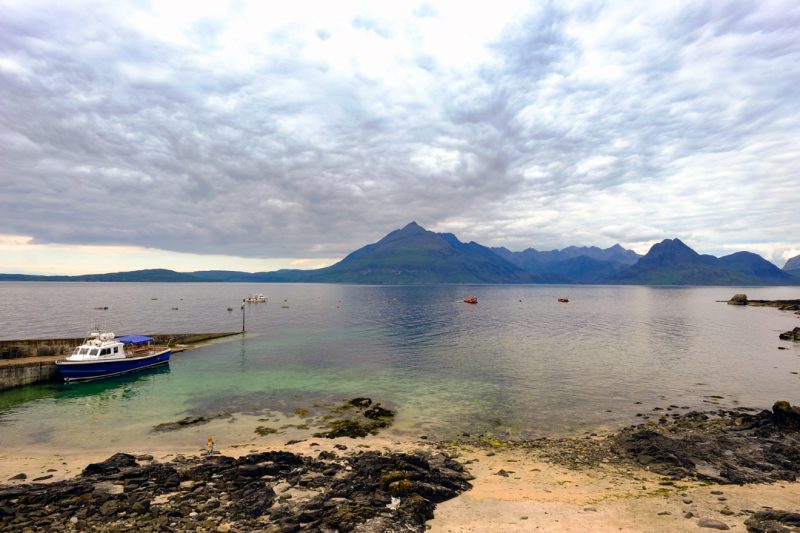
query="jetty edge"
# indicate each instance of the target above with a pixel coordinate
(28, 361)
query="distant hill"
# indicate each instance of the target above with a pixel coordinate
(584, 269)
(671, 262)
(150, 275)
(585, 264)
(223, 275)
(413, 255)
(793, 265)
(533, 260)
(754, 265)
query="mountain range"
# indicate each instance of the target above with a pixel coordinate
(414, 255)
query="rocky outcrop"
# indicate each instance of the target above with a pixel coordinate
(773, 521)
(785, 416)
(738, 299)
(273, 491)
(792, 335)
(783, 305)
(723, 447)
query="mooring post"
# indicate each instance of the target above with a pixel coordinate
(242, 316)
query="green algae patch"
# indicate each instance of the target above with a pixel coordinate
(392, 476)
(400, 487)
(360, 417)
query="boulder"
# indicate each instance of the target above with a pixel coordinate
(710, 523)
(785, 415)
(361, 402)
(376, 411)
(738, 299)
(771, 521)
(793, 335)
(111, 465)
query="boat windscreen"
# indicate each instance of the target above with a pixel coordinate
(134, 339)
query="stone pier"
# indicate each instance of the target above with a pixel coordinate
(26, 361)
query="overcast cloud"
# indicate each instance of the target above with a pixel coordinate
(308, 130)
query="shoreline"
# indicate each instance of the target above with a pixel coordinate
(574, 483)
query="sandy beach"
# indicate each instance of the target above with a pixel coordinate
(514, 488)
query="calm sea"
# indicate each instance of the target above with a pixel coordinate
(518, 363)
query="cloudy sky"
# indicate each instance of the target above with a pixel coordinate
(258, 135)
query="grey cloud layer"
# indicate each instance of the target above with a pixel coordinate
(588, 126)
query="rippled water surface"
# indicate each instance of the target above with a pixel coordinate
(518, 362)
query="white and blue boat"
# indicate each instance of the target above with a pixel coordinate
(102, 355)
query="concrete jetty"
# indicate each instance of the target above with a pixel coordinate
(26, 361)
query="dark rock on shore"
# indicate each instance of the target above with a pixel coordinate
(773, 521)
(793, 335)
(786, 416)
(361, 402)
(724, 446)
(377, 412)
(272, 491)
(738, 299)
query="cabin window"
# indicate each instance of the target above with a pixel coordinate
(116, 349)
(84, 351)
(94, 351)
(104, 351)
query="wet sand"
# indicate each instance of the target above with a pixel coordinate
(539, 495)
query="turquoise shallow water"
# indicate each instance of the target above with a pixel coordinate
(519, 362)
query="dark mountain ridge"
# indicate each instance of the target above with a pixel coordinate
(585, 264)
(414, 255)
(671, 262)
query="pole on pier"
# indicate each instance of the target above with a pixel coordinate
(242, 316)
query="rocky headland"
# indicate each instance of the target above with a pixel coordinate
(783, 305)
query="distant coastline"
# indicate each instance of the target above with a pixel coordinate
(415, 256)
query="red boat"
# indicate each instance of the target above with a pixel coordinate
(470, 300)
(563, 299)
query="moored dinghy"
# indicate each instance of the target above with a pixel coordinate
(102, 355)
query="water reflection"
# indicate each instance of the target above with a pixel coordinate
(95, 394)
(518, 361)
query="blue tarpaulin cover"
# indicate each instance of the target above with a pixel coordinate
(134, 339)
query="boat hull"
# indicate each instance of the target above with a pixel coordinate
(88, 370)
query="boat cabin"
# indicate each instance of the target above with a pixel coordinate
(104, 346)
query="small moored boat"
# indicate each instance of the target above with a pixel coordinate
(563, 299)
(256, 299)
(471, 300)
(102, 355)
